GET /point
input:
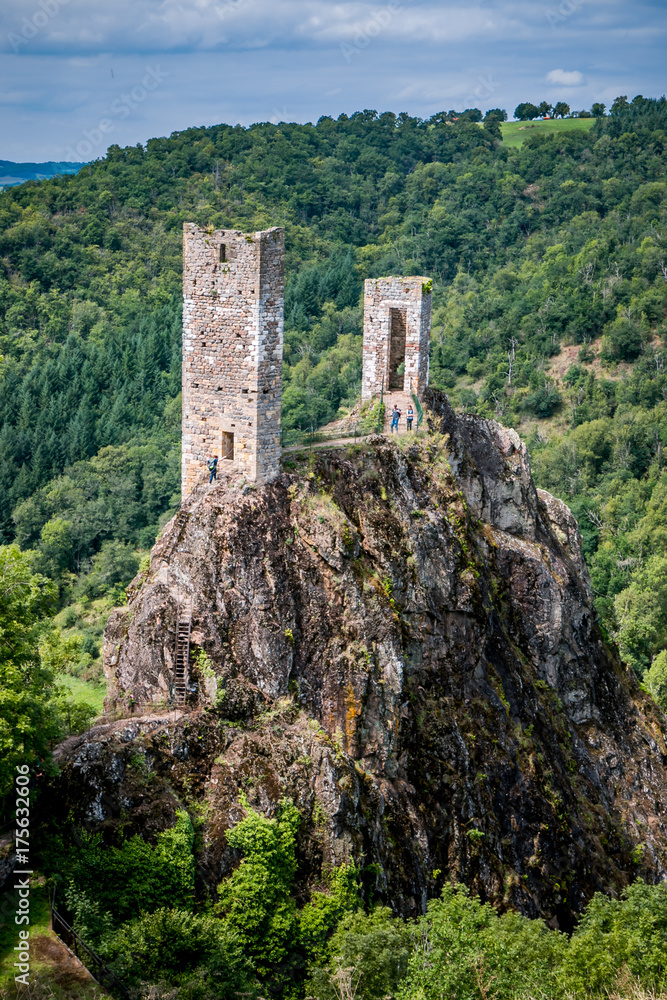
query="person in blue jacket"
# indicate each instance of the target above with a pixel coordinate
(212, 466)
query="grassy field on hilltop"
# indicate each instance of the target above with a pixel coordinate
(515, 133)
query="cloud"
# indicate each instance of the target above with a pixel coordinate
(256, 60)
(565, 78)
(178, 26)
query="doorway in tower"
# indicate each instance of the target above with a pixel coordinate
(397, 325)
(227, 453)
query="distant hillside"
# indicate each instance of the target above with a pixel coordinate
(16, 173)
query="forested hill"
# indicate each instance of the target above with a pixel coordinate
(556, 246)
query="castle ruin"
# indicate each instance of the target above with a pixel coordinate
(233, 290)
(397, 332)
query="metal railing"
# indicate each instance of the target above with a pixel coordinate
(360, 427)
(418, 408)
(98, 969)
(380, 421)
(353, 430)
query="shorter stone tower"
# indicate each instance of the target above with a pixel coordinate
(397, 332)
(233, 287)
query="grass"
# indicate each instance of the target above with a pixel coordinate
(40, 917)
(514, 133)
(88, 691)
(53, 975)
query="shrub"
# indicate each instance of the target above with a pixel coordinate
(616, 934)
(464, 949)
(196, 953)
(255, 900)
(375, 947)
(136, 877)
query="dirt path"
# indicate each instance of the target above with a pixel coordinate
(343, 442)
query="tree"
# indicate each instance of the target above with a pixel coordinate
(136, 878)
(471, 115)
(545, 109)
(56, 547)
(29, 715)
(495, 115)
(256, 899)
(466, 950)
(526, 112)
(656, 679)
(622, 339)
(620, 104)
(561, 109)
(598, 110)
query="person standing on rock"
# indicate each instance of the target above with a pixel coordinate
(212, 466)
(409, 417)
(395, 417)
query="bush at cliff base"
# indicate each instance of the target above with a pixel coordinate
(136, 904)
(462, 949)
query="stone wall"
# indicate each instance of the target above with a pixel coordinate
(233, 285)
(395, 308)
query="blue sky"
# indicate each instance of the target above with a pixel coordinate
(78, 75)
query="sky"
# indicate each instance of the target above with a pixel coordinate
(79, 75)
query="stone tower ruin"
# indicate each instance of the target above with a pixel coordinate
(397, 332)
(233, 285)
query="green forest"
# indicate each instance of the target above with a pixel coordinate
(549, 264)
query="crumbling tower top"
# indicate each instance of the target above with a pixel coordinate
(397, 333)
(233, 290)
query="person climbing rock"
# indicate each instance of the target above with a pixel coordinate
(395, 417)
(212, 466)
(409, 417)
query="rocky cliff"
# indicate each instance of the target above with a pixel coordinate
(398, 636)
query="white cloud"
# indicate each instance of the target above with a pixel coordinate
(565, 78)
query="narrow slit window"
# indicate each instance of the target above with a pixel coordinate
(223, 253)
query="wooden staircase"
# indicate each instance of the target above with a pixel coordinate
(182, 654)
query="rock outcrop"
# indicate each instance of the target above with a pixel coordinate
(400, 638)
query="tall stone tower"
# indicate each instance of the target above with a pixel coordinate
(233, 285)
(397, 332)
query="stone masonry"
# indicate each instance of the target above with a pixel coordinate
(397, 331)
(233, 285)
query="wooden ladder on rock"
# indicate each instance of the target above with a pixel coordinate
(182, 653)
